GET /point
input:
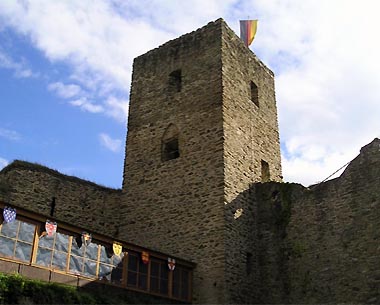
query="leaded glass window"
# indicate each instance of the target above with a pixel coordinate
(137, 272)
(67, 253)
(110, 265)
(84, 259)
(159, 276)
(16, 240)
(181, 283)
(53, 250)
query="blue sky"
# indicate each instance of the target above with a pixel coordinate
(65, 72)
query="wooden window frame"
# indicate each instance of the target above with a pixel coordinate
(71, 233)
(16, 239)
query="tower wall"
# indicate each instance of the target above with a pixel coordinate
(196, 91)
(176, 206)
(251, 137)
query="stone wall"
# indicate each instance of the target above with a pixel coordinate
(83, 203)
(176, 206)
(186, 206)
(321, 244)
(251, 135)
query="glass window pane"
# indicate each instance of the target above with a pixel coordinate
(117, 259)
(143, 268)
(176, 289)
(154, 268)
(46, 242)
(23, 251)
(117, 275)
(105, 255)
(26, 232)
(59, 260)
(132, 262)
(105, 271)
(10, 229)
(163, 286)
(164, 271)
(61, 242)
(184, 293)
(154, 284)
(90, 268)
(176, 274)
(7, 246)
(176, 279)
(142, 281)
(75, 249)
(132, 279)
(76, 264)
(92, 251)
(185, 276)
(185, 284)
(43, 257)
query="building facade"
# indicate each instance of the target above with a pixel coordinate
(202, 185)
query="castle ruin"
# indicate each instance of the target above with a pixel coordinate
(203, 185)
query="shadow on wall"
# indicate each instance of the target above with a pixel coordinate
(308, 245)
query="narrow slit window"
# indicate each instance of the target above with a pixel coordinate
(265, 175)
(170, 143)
(175, 81)
(170, 150)
(52, 207)
(254, 94)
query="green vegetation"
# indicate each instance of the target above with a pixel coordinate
(15, 289)
(282, 207)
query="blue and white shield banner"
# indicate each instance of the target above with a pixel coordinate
(171, 263)
(9, 214)
(86, 238)
(50, 227)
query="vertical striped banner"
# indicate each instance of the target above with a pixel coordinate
(248, 30)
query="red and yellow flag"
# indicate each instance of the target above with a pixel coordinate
(248, 30)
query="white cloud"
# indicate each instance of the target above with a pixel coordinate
(113, 145)
(311, 165)
(117, 108)
(86, 105)
(3, 163)
(9, 134)
(20, 69)
(327, 80)
(112, 107)
(91, 36)
(324, 54)
(100, 38)
(65, 91)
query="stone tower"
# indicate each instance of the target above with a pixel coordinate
(202, 128)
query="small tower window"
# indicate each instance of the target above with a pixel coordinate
(170, 150)
(265, 175)
(175, 81)
(254, 94)
(170, 144)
